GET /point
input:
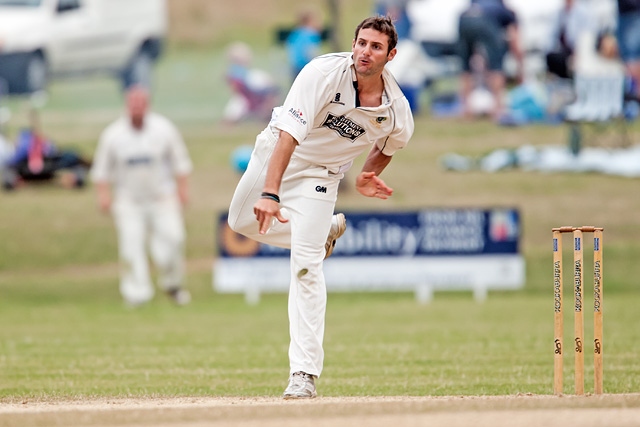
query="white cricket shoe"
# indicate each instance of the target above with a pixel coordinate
(338, 226)
(179, 296)
(301, 386)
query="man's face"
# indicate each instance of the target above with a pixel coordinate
(137, 102)
(370, 52)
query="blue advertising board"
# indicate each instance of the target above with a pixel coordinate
(429, 232)
(421, 251)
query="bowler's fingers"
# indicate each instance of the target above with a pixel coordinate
(383, 191)
(368, 175)
(265, 217)
(364, 178)
(280, 217)
(265, 220)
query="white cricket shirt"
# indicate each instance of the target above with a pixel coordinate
(320, 113)
(141, 164)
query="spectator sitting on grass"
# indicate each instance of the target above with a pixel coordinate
(254, 93)
(36, 158)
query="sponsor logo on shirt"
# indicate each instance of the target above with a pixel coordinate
(297, 115)
(336, 99)
(377, 122)
(345, 127)
(139, 160)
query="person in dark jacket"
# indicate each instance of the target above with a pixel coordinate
(487, 29)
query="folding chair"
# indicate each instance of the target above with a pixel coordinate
(599, 108)
(598, 105)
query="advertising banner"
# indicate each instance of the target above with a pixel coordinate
(420, 251)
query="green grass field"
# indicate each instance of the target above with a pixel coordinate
(66, 334)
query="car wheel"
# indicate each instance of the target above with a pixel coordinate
(35, 73)
(139, 70)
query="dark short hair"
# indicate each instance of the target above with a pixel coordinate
(383, 24)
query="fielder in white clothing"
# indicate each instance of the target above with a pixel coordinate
(339, 106)
(143, 160)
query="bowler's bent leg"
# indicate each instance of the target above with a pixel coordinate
(241, 218)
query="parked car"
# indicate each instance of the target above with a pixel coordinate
(42, 40)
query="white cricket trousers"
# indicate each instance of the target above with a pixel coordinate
(159, 225)
(308, 195)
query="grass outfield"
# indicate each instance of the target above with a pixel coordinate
(67, 335)
(74, 339)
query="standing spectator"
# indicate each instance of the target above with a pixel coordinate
(143, 159)
(341, 105)
(303, 42)
(629, 41)
(488, 29)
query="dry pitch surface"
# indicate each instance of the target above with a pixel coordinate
(495, 411)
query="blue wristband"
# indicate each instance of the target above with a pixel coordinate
(271, 196)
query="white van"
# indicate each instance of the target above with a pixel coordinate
(49, 39)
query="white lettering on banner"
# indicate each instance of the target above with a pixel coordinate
(424, 251)
(451, 217)
(455, 231)
(375, 236)
(456, 239)
(446, 231)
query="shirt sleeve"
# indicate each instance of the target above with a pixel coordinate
(402, 131)
(305, 99)
(180, 160)
(101, 168)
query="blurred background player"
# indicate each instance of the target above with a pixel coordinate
(143, 158)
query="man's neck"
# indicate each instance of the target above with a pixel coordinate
(370, 90)
(137, 123)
